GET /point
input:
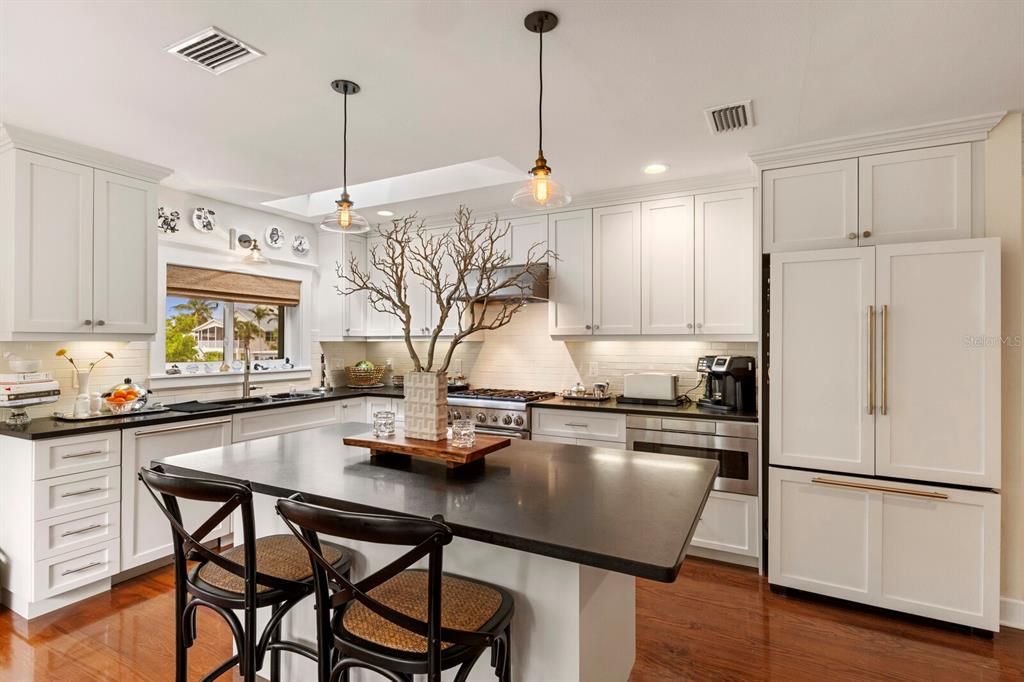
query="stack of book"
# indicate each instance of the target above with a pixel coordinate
(28, 388)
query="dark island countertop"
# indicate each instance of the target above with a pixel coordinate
(691, 411)
(48, 427)
(632, 512)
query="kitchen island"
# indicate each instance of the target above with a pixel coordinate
(566, 528)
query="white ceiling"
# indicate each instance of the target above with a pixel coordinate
(446, 82)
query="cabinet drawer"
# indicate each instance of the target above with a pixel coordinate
(79, 453)
(263, 423)
(68, 571)
(728, 524)
(601, 426)
(66, 494)
(82, 529)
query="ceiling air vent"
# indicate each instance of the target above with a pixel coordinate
(214, 50)
(730, 117)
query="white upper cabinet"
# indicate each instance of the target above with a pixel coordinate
(529, 232)
(330, 304)
(724, 257)
(939, 362)
(52, 253)
(378, 323)
(616, 269)
(667, 266)
(82, 249)
(820, 345)
(570, 309)
(810, 207)
(355, 303)
(918, 195)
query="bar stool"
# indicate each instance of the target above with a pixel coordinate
(399, 622)
(269, 571)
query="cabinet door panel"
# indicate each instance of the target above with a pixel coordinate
(145, 532)
(330, 308)
(667, 266)
(810, 207)
(570, 310)
(125, 257)
(528, 234)
(53, 242)
(377, 323)
(724, 262)
(917, 195)
(617, 269)
(819, 349)
(376, 404)
(941, 349)
(355, 303)
(729, 524)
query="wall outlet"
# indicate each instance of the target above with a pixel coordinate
(592, 370)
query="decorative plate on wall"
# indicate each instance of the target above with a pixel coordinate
(168, 222)
(275, 237)
(300, 244)
(204, 219)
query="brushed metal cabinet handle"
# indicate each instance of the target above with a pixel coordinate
(689, 325)
(171, 429)
(866, 233)
(588, 326)
(78, 531)
(885, 359)
(880, 488)
(700, 325)
(582, 426)
(852, 235)
(871, 359)
(83, 568)
(100, 323)
(73, 455)
(81, 492)
(88, 323)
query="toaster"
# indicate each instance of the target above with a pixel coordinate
(651, 386)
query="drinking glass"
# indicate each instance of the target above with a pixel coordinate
(463, 433)
(383, 424)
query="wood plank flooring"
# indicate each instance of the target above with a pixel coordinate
(717, 622)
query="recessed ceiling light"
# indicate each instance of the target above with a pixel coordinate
(655, 169)
(386, 214)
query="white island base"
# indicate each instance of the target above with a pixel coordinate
(571, 622)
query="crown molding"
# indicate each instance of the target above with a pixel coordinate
(969, 129)
(14, 137)
(651, 191)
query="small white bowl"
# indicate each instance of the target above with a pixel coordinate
(24, 366)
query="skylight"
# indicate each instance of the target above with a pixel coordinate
(459, 177)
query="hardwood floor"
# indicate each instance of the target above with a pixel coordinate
(717, 622)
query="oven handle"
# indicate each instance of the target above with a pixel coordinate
(515, 435)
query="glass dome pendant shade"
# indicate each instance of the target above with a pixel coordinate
(344, 218)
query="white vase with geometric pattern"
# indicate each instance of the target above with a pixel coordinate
(426, 405)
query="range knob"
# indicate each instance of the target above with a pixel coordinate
(456, 414)
(494, 418)
(519, 421)
(481, 417)
(507, 420)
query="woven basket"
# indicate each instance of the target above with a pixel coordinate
(364, 377)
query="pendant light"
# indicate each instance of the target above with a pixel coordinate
(541, 190)
(345, 219)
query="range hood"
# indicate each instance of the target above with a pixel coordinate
(531, 286)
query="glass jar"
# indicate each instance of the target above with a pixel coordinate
(463, 433)
(383, 424)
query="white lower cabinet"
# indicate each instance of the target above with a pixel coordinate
(146, 533)
(729, 524)
(596, 426)
(920, 549)
(352, 410)
(274, 422)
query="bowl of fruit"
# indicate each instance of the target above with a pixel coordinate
(126, 397)
(364, 374)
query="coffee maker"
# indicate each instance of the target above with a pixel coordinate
(728, 383)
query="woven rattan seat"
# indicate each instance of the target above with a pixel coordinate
(466, 605)
(282, 556)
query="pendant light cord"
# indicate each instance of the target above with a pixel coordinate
(344, 147)
(540, 99)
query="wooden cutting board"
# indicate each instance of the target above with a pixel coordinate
(438, 451)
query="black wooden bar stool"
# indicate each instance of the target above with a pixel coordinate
(399, 622)
(271, 571)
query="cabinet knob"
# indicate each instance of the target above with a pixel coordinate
(866, 233)
(700, 325)
(597, 326)
(348, 329)
(588, 326)
(100, 323)
(852, 235)
(88, 323)
(689, 325)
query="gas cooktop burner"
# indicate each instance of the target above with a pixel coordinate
(502, 394)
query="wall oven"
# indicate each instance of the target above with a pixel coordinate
(732, 444)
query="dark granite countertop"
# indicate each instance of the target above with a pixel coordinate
(48, 427)
(632, 512)
(691, 411)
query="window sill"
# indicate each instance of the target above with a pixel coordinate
(159, 382)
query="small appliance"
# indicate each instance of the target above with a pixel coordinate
(729, 383)
(651, 386)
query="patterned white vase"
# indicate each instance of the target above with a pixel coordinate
(426, 405)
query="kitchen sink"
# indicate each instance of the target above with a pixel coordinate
(302, 395)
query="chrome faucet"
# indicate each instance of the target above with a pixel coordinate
(246, 387)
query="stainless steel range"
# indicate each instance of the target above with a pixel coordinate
(496, 411)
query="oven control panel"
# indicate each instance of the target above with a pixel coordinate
(482, 416)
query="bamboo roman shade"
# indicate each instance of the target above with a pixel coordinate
(237, 287)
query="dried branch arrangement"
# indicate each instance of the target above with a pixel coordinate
(463, 270)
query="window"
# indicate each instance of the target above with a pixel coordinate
(196, 332)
